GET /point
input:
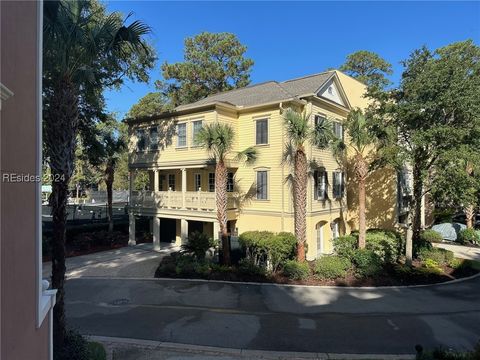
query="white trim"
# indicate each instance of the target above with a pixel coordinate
(45, 298)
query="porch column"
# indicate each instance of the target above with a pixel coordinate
(184, 230)
(132, 182)
(184, 186)
(131, 230)
(216, 230)
(156, 181)
(156, 233)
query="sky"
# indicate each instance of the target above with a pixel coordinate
(293, 39)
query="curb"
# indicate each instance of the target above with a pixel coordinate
(242, 353)
(450, 282)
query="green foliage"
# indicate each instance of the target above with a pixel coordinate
(468, 236)
(197, 244)
(151, 104)
(296, 270)
(331, 267)
(265, 247)
(248, 267)
(443, 215)
(213, 62)
(185, 265)
(345, 246)
(387, 244)
(440, 256)
(367, 67)
(367, 263)
(455, 263)
(432, 265)
(76, 347)
(442, 353)
(431, 236)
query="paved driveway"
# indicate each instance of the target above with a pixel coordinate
(464, 252)
(280, 318)
(131, 261)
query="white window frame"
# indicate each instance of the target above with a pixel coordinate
(340, 126)
(194, 144)
(152, 146)
(210, 188)
(170, 176)
(322, 174)
(186, 135)
(267, 121)
(257, 185)
(139, 138)
(230, 185)
(342, 185)
(197, 185)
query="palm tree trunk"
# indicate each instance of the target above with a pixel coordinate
(300, 201)
(221, 200)
(361, 171)
(60, 129)
(469, 214)
(109, 178)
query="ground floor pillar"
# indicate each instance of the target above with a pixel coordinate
(131, 230)
(156, 233)
(184, 231)
(216, 230)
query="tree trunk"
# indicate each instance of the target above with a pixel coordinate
(469, 215)
(109, 177)
(60, 129)
(300, 201)
(221, 200)
(417, 203)
(361, 172)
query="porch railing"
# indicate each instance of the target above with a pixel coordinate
(189, 200)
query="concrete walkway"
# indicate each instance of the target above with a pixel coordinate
(464, 252)
(132, 261)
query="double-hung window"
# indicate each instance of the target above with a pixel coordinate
(211, 182)
(153, 138)
(196, 127)
(182, 135)
(320, 182)
(261, 132)
(198, 182)
(230, 182)
(338, 129)
(338, 184)
(318, 120)
(141, 141)
(262, 185)
(171, 182)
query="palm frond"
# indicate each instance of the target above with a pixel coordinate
(297, 126)
(249, 155)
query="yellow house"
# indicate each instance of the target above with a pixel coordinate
(181, 195)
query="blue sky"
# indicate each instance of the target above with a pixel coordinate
(292, 39)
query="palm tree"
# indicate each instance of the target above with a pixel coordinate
(362, 143)
(299, 131)
(218, 139)
(83, 50)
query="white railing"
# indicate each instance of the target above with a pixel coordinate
(190, 200)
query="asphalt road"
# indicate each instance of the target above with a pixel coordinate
(279, 318)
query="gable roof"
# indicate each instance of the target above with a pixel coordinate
(267, 92)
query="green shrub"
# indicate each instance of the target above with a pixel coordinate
(96, 351)
(296, 270)
(386, 244)
(455, 263)
(248, 267)
(468, 236)
(443, 215)
(265, 247)
(332, 267)
(185, 265)
(441, 353)
(74, 348)
(439, 255)
(367, 262)
(345, 246)
(219, 268)
(198, 243)
(431, 236)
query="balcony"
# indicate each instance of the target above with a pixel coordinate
(177, 200)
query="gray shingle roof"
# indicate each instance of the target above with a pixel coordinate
(266, 92)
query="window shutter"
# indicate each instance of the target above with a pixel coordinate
(315, 185)
(335, 185)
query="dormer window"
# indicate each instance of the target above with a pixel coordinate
(330, 90)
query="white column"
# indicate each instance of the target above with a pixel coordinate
(184, 185)
(156, 233)
(184, 230)
(156, 181)
(131, 230)
(216, 230)
(132, 182)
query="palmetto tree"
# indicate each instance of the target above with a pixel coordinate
(362, 143)
(218, 139)
(299, 131)
(84, 50)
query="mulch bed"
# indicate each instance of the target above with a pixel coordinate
(389, 277)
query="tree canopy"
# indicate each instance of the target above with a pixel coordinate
(151, 104)
(213, 62)
(368, 67)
